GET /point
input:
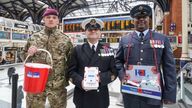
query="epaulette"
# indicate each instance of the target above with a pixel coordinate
(36, 34)
(64, 34)
(41, 32)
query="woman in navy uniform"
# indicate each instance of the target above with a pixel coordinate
(92, 54)
(147, 48)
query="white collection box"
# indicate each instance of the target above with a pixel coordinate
(91, 80)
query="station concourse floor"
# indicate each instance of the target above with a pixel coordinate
(6, 90)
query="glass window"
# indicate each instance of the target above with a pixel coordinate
(107, 6)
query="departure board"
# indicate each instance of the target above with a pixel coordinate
(4, 35)
(110, 24)
(19, 36)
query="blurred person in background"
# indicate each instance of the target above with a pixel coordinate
(10, 72)
(3, 61)
(20, 96)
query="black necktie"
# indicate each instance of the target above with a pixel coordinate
(141, 35)
(93, 48)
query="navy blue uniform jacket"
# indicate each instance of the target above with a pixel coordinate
(143, 53)
(82, 57)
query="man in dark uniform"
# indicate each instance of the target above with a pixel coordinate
(146, 48)
(92, 55)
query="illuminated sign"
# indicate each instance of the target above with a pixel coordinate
(17, 25)
(19, 36)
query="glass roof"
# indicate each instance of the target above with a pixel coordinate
(96, 7)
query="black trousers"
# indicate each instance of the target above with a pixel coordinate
(132, 102)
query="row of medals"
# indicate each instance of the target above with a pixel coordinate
(157, 43)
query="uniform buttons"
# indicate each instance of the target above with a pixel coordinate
(141, 42)
(141, 50)
(97, 90)
(141, 59)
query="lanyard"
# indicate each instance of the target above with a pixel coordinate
(154, 51)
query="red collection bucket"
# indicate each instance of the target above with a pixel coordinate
(36, 75)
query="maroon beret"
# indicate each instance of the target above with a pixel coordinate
(50, 11)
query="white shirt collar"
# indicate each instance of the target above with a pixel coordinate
(90, 44)
(144, 32)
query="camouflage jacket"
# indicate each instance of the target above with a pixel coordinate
(59, 46)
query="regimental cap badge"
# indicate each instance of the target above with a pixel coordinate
(93, 22)
(140, 7)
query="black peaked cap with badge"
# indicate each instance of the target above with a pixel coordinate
(141, 11)
(92, 23)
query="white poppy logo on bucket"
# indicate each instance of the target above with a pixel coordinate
(33, 74)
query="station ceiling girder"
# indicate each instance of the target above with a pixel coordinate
(22, 9)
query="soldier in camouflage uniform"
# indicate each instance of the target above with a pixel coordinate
(59, 45)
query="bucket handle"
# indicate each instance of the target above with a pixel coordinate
(44, 51)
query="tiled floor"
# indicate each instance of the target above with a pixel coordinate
(113, 101)
(6, 90)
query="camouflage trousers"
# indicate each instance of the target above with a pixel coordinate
(57, 99)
